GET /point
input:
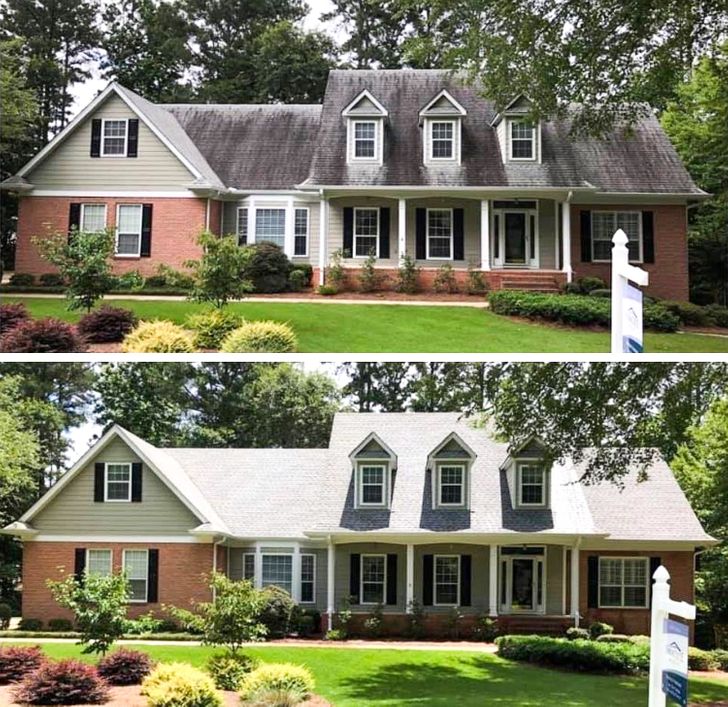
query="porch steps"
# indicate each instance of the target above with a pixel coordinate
(532, 282)
(543, 625)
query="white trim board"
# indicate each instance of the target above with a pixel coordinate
(139, 539)
(120, 193)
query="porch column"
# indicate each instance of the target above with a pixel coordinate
(258, 567)
(288, 237)
(323, 226)
(410, 585)
(330, 583)
(402, 224)
(296, 575)
(485, 234)
(493, 581)
(566, 238)
(575, 582)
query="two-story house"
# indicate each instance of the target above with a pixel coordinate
(394, 163)
(399, 508)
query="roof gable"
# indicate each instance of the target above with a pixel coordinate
(365, 104)
(443, 104)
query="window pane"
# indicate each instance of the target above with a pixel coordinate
(635, 596)
(442, 140)
(94, 218)
(249, 567)
(118, 482)
(451, 484)
(278, 570)
(270, 226)
(635, 572)
(446, 580)
(372, 479)
(372, 573)
(610, 571)
(307, 577)
(439, 232)
(522, 140)
(242, 226)
(114, 137)
(98, 562)
(364, 139)
(300, 231)
(610, 596)
(366, 231)
(136, 565)
(129, 229)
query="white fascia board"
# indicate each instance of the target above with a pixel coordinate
(120, 193)
(444, 94)
(366, 94)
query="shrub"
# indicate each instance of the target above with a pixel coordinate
(717, 314)
(146, 623)
(60, 625)
(688, 313)
(656, 316)
(42, 336)
(601, 293)
(260, 337)
(373, 623)
(17, 661)
(107, 324)
(67, 682)
(614, 638)
(588, 284)
(30, 624)
(335, 634)
(476, 282)
(268, 267)
(573, 634)
(407, 275)
(228, 671)
(51, 279)
(486, 629)
(131, 280)
(11, 315)
(279, 678)
(327, 290)
(454, 617)
(213, 326)
(296, 280)
(159, 336)
(154, 281)
(579, 655)
(125, 667)
(22, 279)
(179, 685)
(416, 619)
(701, 660)
(307, 270)
(335, 275)
(307, 622)
(277, 611)
(368, 278)
(176, 279)
(6, 613)
(599, 628)
(445, 279)
(343, 616)
(721, 658)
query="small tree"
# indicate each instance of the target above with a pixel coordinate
(218, 274)
(99, 606)
(335, 275)
(230, 619)
(368, 279)
(83, 260)
(407, 275)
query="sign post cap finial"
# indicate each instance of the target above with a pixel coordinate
(661, 574)
(620, 238)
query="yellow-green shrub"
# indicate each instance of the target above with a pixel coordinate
(213, 326)
(277, 684)
(159, 336)
(180, 685)
(260, 337)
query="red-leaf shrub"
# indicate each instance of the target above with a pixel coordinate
(125, 667)
(11, 315)
(17, 661)
(67, 682)
(42, 336)
(107, 324)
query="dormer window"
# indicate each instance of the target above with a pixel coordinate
(522, 140)
(365, 129)
(374, 465)
(451, 484)
(450, 464)
(442, 140)
(441, 119)
(532, 489)
(365, 139)
(372, 478)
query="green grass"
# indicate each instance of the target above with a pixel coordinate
(353, 677)
(324, 328)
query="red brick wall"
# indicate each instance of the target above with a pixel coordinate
(176, 223)
(181, 570)
(669, 272)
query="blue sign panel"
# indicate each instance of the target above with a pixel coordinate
(675, 675)
(675, 686)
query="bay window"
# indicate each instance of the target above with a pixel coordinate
(270, 226)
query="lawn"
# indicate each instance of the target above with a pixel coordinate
(331, 328)
(352, 677)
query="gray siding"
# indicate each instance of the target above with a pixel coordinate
(547, 212)
(554, 579)
(73, 510)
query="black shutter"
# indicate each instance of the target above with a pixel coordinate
(96, 137)
(74, 219)
(99, 468)
(466, 579)
(420, 234)
(655, 562)
(79, 563)
(391, 579)
(384, 232)
(458, 234)
(592, 578)
(153, 576)
(146, 245)
(136, 482)
(354, 576)
(585, 236)
(648, 236)
(428, 575)
(132, 137)
(348, 232)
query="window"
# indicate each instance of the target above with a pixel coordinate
(129, 229)
(451, 486)
(118, 482)
(439, 234)
(366, 232)
(93, 218)
(300, 232)
(249, 566)
(98, 562)
(113, 138)
(523, 140)
(365, 140)
(532, 485)
(372, 485)
(442, 140)
(278, 570)
(270, 226)
(136, 565)
(308, 578)
(447, 580)
(373, 578)
(242, 226)
(623, 582)
(605, 225)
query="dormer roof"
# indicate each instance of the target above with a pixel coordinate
(365, 105)
(373, 447)
(520, 106)
(452, 447)
(443, 105)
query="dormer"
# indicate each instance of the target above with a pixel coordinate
(365, 117)
(528, 474)
(449, 464)
(441, 121)
(374, 465)
(519, 136)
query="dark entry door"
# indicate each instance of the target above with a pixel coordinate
(515, 238)
(522, 591)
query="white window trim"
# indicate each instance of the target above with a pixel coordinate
(99, 549)
(313, 555)
(544, 485)
(308, 231)
(645, 560)
(262, 207)
(384, 465)
(83, 209)
(361, 580)
(463, 484)
(277, 554)
(378, 140)
(355, 236)
(102, 151)
(141, 226)
(146, 579)
(106, 482)
(614, 214)
(247, 224)
(456, 133)
(434, 579)
(535, 156)
(452, 234)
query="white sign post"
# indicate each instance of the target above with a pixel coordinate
(668, 644)
(626, 299)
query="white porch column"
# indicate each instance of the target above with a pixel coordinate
(575, 582)
(402, 228)
(288, 239)
(323, 228)
(296, 575)
(330, 583)
(258, 567)
(566, 238)
(485, 234)
(410, 584)
(493, 581)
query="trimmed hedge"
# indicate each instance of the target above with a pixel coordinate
(161, 636)
(212, 326)
(260, 337)
(180, 685)
(293, 681)
(158, 336)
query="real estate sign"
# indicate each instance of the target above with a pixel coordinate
(675, 662)
(631, 319)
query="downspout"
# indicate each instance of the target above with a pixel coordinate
(207, 215)
(214, 547)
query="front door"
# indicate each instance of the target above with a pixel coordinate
(515, 238)
(522, 584)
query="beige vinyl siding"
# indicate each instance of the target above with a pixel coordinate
(73, 510)
(70, 165)
(547, 234)
(554, 579)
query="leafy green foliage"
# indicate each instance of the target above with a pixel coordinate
(212, 327)
(327, 290)
(486, 629)
(701, 660)
(267, 268)
(6, 613)
(229, 671)
(476, 284)
(260, 337)
(368, 278)
(22, 279)
(335, 275)
(599, 628)
(407, 275)
(67, 682)
(374, 622)
(445, 280)
(416, 619)
(573, 633)
(179, 685)
(278, 678)
(158, 337)
(60, 625)
(277, 612)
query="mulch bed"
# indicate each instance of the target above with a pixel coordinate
(423, 296)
